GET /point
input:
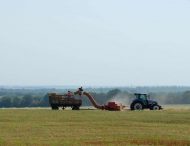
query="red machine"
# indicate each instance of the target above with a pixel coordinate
(112, 106)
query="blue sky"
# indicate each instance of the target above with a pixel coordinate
(96, 43)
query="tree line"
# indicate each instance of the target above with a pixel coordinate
(39, 97)
(25, 101)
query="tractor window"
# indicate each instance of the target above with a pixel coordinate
(143, 97)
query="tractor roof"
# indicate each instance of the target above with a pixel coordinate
(140, 94)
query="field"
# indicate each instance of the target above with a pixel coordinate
(44, 127)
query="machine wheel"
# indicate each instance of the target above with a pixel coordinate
(137, 106)
(54, 107)
(155, 107)
(75, 108)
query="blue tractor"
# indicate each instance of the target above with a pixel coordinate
(143, 101)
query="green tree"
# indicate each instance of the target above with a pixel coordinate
(16, 102)
(45, 101)
(26, 100)
(5, 102)
(186, 97)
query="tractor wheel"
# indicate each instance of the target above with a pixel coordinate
(75, 108)
(137, 106)
(54, 107)
(155, 107)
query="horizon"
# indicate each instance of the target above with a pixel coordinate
(86, 86)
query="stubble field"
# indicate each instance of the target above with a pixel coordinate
(44, 127)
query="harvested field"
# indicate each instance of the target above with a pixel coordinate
(44, 127)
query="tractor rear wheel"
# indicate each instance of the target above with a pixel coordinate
(137, 106)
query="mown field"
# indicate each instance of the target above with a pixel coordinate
(44, 127)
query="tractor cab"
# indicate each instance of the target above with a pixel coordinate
(142, 96)
(143, 101)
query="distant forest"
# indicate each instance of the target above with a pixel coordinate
(38, 97)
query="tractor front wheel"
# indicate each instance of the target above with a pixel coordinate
(155, 107)
(137, 106)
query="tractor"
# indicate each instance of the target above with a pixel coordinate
(143, 101)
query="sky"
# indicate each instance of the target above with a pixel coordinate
(95, 42)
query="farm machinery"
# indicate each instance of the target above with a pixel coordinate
(69, 100)
(65, 100)
(143, 101)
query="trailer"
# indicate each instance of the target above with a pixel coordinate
(65, 100)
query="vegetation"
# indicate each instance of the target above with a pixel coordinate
(39, 98)
(44, 127)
